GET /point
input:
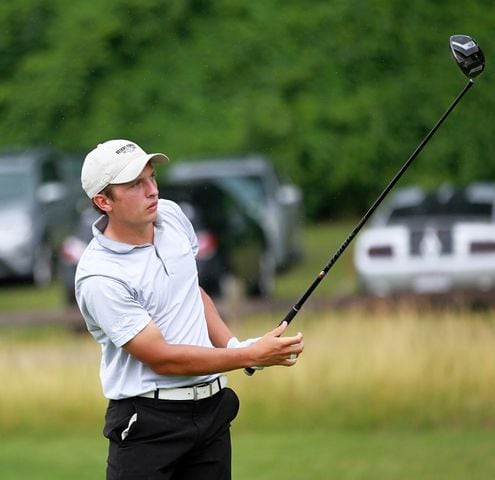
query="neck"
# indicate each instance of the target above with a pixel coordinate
(130, 234)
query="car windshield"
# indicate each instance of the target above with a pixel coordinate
(248, 190)
(457, 207)
(14, 186)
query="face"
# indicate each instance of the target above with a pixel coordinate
(134, 203)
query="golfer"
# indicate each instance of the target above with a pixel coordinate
(164, 344)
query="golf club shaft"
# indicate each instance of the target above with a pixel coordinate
(297, 307)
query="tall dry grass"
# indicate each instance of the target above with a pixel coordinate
(358, 369)
(402, 368)
(50, 383)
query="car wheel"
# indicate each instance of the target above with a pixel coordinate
(265, 282)
(43, 265)
(70, 297)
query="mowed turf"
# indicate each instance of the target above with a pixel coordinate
(365, 454)
(283, 454)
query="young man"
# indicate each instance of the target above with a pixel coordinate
(164, 345)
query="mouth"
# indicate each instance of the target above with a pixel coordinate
(153, 207)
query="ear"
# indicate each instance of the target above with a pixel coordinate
(102, 202)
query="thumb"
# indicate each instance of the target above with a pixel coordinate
(276, 332)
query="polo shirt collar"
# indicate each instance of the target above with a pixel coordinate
(113, 245)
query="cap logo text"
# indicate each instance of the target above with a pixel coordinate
(130, 147)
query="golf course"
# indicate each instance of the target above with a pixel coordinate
(402, 392)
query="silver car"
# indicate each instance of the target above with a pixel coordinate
(36, 206)
(253, 180)
(430, 242)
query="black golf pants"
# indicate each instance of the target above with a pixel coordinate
(169, 439)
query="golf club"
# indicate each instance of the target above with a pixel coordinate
(471, 61)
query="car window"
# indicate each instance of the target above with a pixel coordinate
(49, 172)
(14, 185)
(248, 190)
(456, 207)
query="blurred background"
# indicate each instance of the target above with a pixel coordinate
(283, 122)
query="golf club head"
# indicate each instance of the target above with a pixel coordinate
(467, 54)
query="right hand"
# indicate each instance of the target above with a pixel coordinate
(273, 349)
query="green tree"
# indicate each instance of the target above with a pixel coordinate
(337, 93)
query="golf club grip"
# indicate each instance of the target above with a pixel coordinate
(290, 315)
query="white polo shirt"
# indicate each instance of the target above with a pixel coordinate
(122, 287)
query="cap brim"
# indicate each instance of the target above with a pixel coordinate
(134, 168)
(158, 158)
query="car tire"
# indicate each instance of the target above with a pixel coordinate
(265, 283)
(42, 274)
(70, 297)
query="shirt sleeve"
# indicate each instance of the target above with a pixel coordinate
(109, 306)
(186, 225)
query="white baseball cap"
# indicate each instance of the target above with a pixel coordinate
(112, 162)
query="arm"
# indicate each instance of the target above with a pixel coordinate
(150, 347)
(218, 331)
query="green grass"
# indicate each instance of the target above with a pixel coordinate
(24, 297)
(283, 453)
(53, 456)
(367, 455)
(321, 241)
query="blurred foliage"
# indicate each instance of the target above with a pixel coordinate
(337, 93)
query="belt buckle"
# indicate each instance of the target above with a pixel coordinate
(196, 388)
(201, 385)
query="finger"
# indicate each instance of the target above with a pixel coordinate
(279, 329)
(296, 340)
(296, 350)
(289, 362)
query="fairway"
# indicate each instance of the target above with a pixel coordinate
(368, 455)
(345, 454)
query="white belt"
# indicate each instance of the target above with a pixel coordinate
(196, 392)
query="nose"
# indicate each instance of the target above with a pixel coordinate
(152, 188)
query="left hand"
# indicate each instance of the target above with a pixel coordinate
(235, 343)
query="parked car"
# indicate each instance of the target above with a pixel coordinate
(36, 205)
(277, 205)
(231, 242)
(430, 241)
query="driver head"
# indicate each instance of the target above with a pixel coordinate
(467, 54)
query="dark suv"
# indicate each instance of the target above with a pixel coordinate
(231, 243)
(275, 203)
(36, 208)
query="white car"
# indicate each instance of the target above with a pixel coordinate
(430, 242)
